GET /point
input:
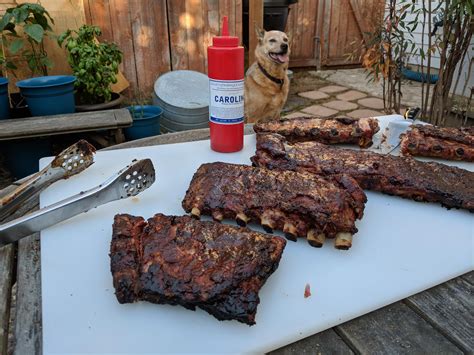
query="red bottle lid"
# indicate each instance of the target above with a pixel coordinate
(224, 40)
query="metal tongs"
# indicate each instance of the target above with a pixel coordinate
(129, 181)
(69, 162)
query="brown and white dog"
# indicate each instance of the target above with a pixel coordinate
(266, 80)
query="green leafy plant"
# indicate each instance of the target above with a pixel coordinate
(35, 23)
(94, 64)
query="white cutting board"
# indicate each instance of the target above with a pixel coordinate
(402, 247)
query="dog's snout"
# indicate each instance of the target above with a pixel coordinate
(284, 46)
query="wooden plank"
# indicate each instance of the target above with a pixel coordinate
(123, 37)
(327, 342)
(449, 308)
(152, 56)
(99, 15)
(28, 315)
(194, 33)
(255, 18)
(360, 20)
(325, 32)
(295, 63)
(469, 277)
(63, 124)
(172, 138)
(7, 257)
(238, 10)
(178, 20)
(395, 329)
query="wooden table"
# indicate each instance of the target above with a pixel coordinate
(439, 320)
(41, 126)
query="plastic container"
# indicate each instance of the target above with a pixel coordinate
(275, 16)
(421, 77)
(22, 155)
(49, 95)
(146, 122)
(226, 92)
(4, 102)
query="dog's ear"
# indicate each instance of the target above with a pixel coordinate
(289, 34)
(260, 32)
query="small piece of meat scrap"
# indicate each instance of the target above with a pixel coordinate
(444, 143)
(338, 130)
(183, 261)
(299, 204)
(400, 176)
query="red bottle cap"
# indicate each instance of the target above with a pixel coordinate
(224, 40)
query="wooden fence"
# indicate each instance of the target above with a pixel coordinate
(325, 32)
(157, 36)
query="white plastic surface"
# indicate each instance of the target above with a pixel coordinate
(402, 247)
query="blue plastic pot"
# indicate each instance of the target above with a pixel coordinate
(22, 155)
(146, 122)
(49, 95)
(4, 102)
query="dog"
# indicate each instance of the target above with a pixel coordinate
(266, 81)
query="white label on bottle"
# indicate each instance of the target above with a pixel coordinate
(226, 104)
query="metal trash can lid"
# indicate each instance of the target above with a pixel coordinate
(185, 89)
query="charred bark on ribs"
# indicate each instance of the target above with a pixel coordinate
(445, 143)
(182, 261)
(300, 204)
(401, 176)
(324, 130)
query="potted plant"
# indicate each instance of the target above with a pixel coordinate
(45, 95)
(95, 65)
(146, 119)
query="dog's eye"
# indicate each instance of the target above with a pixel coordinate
(272, 40)
(285, 39)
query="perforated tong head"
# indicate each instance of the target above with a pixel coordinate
(128, 182)
(69, 162)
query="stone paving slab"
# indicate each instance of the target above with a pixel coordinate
(330, 89)
(314, 95)
(363, 113)
(351, 95)
(297, 114)
(341, 105)
(371, 102)
(320, 111)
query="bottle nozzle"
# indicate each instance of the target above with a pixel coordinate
(225, 26)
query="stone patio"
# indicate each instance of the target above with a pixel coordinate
(327, 100)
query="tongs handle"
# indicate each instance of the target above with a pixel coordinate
(121, 185)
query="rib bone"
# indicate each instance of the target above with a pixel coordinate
(343, 241)
(196, 213)
(315, 239)
(241, 219)
(290, 231)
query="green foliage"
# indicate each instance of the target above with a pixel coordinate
(36, 24)
(94, 64)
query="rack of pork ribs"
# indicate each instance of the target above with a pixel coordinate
(401, 176)
(181, 261)
(324, 130)
(299, 204)
(445, 143)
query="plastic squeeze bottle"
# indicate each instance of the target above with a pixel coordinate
(226, 92)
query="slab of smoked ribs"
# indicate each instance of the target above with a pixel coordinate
(324, 130)
(401, 176)
(182, 261)
(300, 204)
(445, 143)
